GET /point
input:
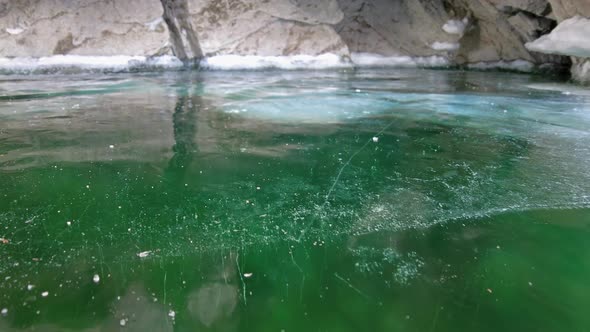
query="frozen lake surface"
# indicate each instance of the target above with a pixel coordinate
(367, 200)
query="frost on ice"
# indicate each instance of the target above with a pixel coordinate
(144, 254)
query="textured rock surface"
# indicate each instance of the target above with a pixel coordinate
(136, 27)
(497, 30)
(564, 9)
(405, 27)
(463, 31)
(267, 27)
(46, 27)
(492, 37)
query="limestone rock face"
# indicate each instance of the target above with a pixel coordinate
(564, 9)
(462, 31)
(500, 35)
(492, 37)
(493, 30)
(45, 27)
(267, 27)
(404, 27)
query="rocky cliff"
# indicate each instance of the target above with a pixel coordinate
(462, 31)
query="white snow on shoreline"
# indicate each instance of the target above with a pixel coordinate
(121, 63)
(77, 63)
(375, 60)
(57, 62)
(324, 61)
(85, 62)
(254, 62)
(516, 65)
(571, 37)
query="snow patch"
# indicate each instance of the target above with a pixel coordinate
(376, 60)
(570, 37)
(14, 31)
(445, 46)
(125, 63)
(59, 62)
(153, 24)
(253, 62)
(516, 65)
(456, 27)
(324, 61)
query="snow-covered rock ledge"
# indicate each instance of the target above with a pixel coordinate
(122, 63)
(572, 38)
(84, 63)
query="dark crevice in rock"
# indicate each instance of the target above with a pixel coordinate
(456, 9)
(65, 45)
(3, 9)
(509, 10)
(185, 43)
(544, 23)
